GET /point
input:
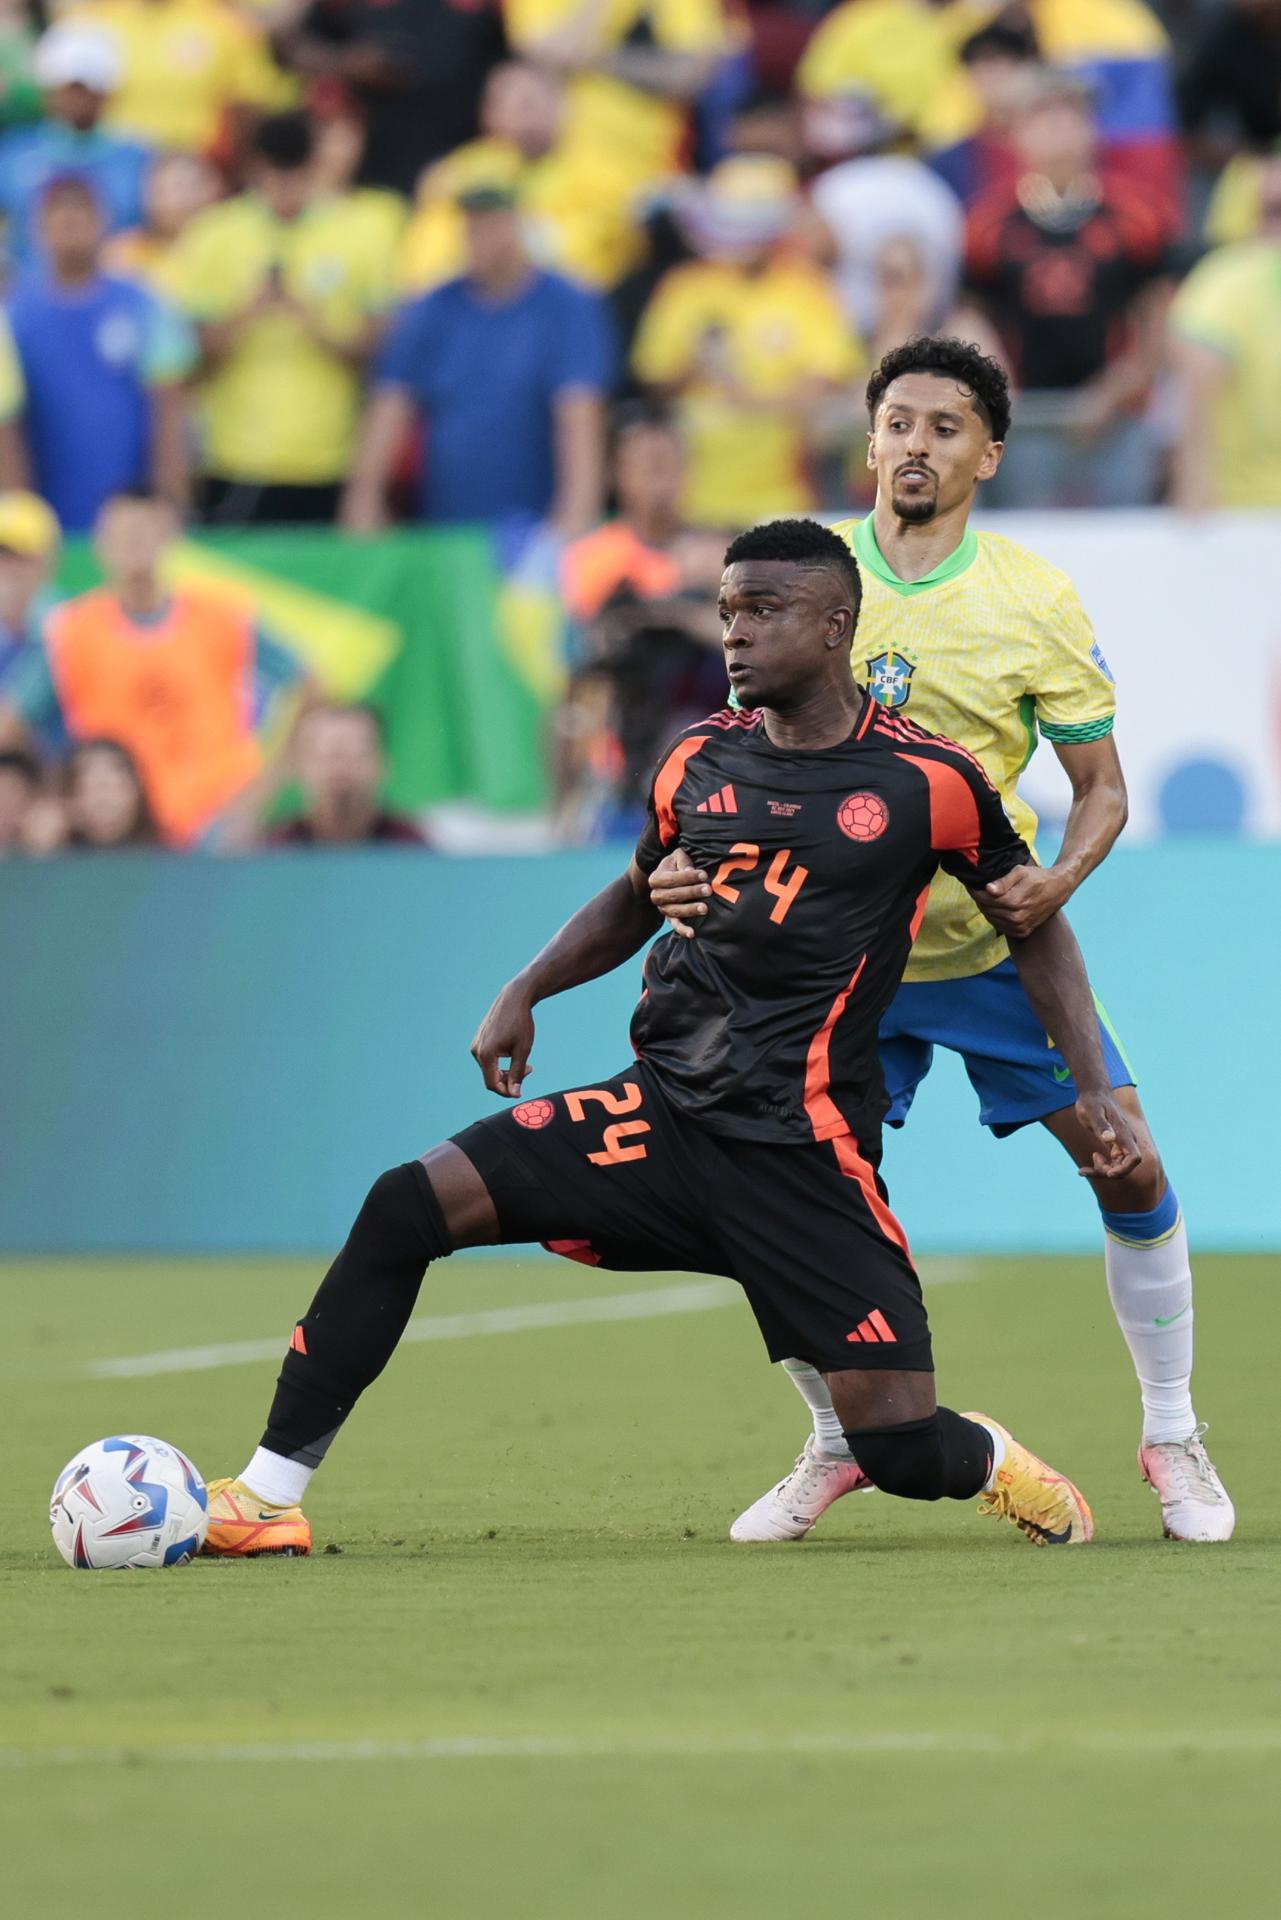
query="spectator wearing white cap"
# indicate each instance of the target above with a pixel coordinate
(78, 70)
(889, 217)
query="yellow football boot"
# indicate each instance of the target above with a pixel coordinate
(1042, 1504)
(241, 1525)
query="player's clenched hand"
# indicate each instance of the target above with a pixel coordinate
(1118, 1151)
(506, 1033)
(1021, 901)
(679, 890)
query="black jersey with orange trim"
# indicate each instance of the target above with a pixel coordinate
(765, 1025)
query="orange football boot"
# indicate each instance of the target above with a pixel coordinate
(1044, 1505)
(241, 1525)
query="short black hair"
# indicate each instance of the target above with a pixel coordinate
(1001, 40)
(952, 359)
(285, 141)
(804, 542)
(24, 764)
(643, 415)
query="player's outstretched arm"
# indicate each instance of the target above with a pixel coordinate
(612, 926)
(1017, 904)
(1054, 978)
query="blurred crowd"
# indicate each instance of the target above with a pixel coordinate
(608, 273)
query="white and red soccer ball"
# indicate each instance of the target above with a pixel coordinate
(129, 1501)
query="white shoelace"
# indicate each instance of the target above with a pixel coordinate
(806, 1476)
(1191, 1471)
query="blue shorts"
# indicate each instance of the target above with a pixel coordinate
(1018, 1075)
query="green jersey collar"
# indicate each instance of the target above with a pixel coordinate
(869, 555)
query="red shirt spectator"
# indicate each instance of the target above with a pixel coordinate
(1062, 256)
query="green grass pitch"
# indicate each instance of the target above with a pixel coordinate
(522, 1539)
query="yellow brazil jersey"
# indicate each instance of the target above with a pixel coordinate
(900, 52)
(577, 214)
(139, 255)
(989, 648)
(1072, 30)
(1231, 303)
(282, 407)
(639, 132)
(741, 346)
(185, 63)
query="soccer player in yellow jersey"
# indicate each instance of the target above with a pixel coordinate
(976, 638)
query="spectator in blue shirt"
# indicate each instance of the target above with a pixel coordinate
(507, 368)
(29, 541)
(92, 373)
(78, 70)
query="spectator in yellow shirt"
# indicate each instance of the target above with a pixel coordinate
(288, 289)
(177, 188)
(750, 340)
(193, 73)
(633, 68)
(577, 206)
(875, 68)
(1226, 325)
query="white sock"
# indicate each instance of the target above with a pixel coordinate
(1151, 1291)
(812, 1387)
(277, 1482)
(998, 1453)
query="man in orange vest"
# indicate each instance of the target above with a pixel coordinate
(179, 678)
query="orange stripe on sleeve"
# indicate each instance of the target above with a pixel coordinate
(667, 781)
(954, 814)
(922, 902)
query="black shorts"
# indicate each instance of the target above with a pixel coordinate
(615, 1175)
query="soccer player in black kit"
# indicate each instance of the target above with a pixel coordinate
(744, 1140)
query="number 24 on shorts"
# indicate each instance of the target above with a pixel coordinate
(613, 1149)
(745, 858)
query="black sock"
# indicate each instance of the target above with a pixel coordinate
(944, 1457)
(351, 1328)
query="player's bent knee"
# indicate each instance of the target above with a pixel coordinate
(402, 1216)
(905, 1460)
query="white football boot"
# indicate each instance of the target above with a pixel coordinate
(789, 1510)
(1194, 1501)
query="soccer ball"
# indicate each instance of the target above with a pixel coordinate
(130, 1501)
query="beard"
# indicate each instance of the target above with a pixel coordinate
(916, 509)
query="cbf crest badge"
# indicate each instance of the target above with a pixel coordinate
(889, 678)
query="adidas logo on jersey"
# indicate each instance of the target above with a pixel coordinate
(722, 802)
